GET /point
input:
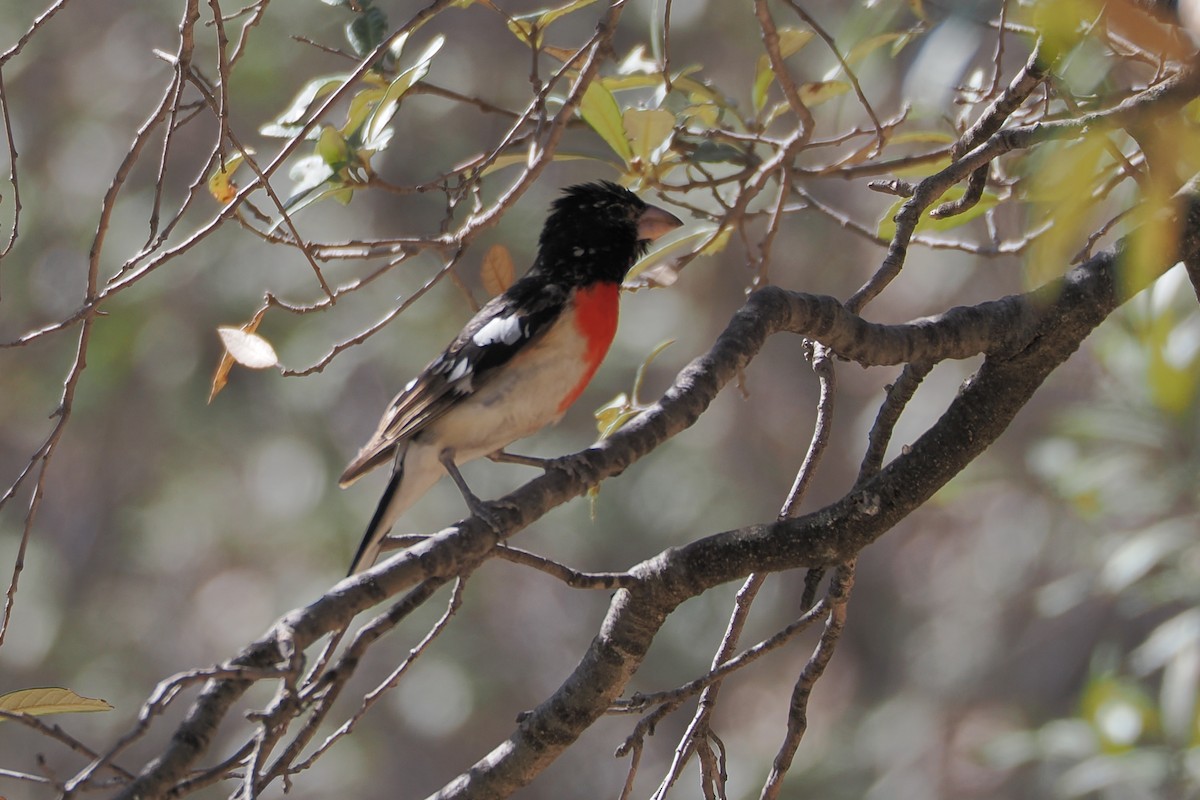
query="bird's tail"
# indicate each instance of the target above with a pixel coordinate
(368, 549)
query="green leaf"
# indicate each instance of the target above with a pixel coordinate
(549, 15)
(366, 31)
(362, 105)
(396, 89)
(290, 122)
(1119, 711)
(530, 26)
(301, 200)
(867, 46)
(923, 137)
(502, 162)
(49, 700)
(640, 377)
(649, 132)
(372, 146)
(332, 147)
(1063, 24)
(599, 110)
(309, 173)
(790, 42)
(612, 414)
(887, 225)
(817, 92)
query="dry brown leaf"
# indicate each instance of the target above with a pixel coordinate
(49, 700)
(497, 271)
(221, 376)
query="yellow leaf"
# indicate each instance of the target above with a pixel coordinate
(497, 270)
(718, 243)
(49, 700)
(790, 42)
(649, 132)
(220, 183)
(817, 92)
(599, 109)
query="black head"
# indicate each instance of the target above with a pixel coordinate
(596, 231)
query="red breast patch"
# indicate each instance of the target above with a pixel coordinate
(596, 311)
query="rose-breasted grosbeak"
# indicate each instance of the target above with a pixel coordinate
(521, 361)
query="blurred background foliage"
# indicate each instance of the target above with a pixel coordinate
(1033, 632)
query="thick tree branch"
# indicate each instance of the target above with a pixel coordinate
(1025, 337)
(981, 412)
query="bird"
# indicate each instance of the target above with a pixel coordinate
(520, 362)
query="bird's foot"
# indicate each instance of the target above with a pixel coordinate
(573, 466)
(474, 504)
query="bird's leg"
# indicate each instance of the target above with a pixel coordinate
(473, 502)
(504, 457)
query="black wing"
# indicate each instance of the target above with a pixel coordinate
(493, 336)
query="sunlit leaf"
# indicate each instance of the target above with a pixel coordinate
(614, 414)
(1062, 25)
(370, 147)
(791, 40)
(611, 413)
(308, 173)
(817, 92)
(1120, 712)
(718, 243)
(640, 377)
(49, 700)
(600, 111)
(520, 160)
(549, 15)
(649, 132)
(561, 54)
(396, 45)
(636, 62)
(290, 122)
(332, 147)
(298, 202)
(869, 45)
(248, 348)
(529, 26)
(668, 248)
(404, 81)
(1062, 179)
(497, 271)
(923, 137)
(706, 115)
(361, 105)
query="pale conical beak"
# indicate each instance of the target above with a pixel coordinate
(654, 222)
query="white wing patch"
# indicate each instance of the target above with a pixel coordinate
(460, 369)
(506, 330)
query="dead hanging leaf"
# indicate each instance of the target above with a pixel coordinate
(497, 270)
(245, 347)
(49, 700)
